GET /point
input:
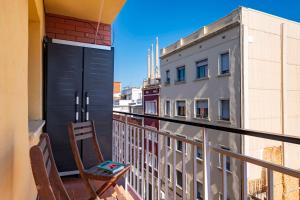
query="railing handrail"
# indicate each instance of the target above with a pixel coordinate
(199, 143)
(260, 134)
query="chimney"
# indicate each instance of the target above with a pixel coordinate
(152, 62)
(157, 70)
(149, 65)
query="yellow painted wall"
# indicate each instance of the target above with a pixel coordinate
(16, 180)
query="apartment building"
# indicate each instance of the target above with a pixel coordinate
(240, 71)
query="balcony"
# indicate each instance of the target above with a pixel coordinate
(195, 162)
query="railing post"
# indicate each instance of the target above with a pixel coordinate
(147, 165)
(138, 161)
(134, 158)
(194, 150)
(126, 151)
(143, 164)
(158, 168)
(245, 181)
(183, 171)
(166, 169)
(224, 177)
(152, 164)
(206, 152)
(174, 169)
(270, 184)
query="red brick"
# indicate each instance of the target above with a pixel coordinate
(100, 42)
(107, 42)
(51, 35)
(92, 35)
(74, 33)
(85, 29)
(106, 37)
(54, 30)
(85, 40)
(65, 37)
(54, 19)
(65, 26)
(107, 28)
(104, 33)
(50, 24)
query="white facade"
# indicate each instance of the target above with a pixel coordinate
(262, 85)
(130, 96)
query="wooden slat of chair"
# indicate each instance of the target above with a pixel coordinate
(83, 131)
(47, 180)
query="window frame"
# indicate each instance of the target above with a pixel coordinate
(177, 74)
(165, 108)
(156, 106)
(221, 108)
(169, 173)
(228, 159)
(176, 111)
(168, 77)
(201, 192)
(177, 179)
(197, 66)
(219, 62)
(195, 111)
(176, 144)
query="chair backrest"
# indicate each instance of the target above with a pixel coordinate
(82, 131)
(46, 177)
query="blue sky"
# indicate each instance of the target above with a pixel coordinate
(140, 21)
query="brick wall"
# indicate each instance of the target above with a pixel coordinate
(72, 29)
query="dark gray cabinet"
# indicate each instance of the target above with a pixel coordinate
(78, 87)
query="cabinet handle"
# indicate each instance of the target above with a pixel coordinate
(87, 102)
(76, 107)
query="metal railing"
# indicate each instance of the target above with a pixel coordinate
(134, 144)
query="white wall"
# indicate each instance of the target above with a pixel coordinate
(213, 88)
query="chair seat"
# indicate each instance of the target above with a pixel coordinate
(98, 174)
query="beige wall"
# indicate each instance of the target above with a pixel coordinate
(272, 86)
(213, 89)
(16, 178)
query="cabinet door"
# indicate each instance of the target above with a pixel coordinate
(98, 86)
(63, 80)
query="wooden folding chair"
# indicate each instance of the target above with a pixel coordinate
(86, 130)
(48, 183)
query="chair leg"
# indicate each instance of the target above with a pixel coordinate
(90, 188)
(106, 186)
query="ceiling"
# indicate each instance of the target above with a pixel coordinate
(86, 9)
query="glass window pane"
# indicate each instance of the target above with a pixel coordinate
(224, 62)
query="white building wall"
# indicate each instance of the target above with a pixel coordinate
(213, 88)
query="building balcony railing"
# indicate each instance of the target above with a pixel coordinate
(132, 143)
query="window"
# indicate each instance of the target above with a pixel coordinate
(149, 161)
(201, 67)
(199, 153)
(201, 109)
(224, 109)
(168, 80)
(180, 108)
(169, 142)
(179, 178)
(199, 190)
(169, 172)
(179, 145)
(150, 107)
(181, 74)
(167, 108)
(224, 63)
(228, 167)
